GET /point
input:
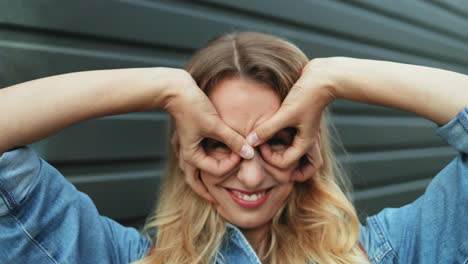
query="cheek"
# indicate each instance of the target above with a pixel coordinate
(211, 181)
(284, 192)
(282, 176)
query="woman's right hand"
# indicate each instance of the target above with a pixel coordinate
(196, 119)
(43, 107)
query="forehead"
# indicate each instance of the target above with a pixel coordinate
(243, 104)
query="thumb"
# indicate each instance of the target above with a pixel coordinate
(281, 119)
(234, 141)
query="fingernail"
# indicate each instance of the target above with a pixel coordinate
(247, 152)
(252, 139)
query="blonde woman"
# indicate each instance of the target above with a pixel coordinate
(279, 202)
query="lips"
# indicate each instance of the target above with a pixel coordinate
(249, 199)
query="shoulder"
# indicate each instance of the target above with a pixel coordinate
(40, 209)
(19, 170)
(432, 229)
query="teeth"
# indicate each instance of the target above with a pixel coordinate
(253, 197)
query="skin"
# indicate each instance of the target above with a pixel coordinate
(45, 106)
(435, 94)
(242, 105)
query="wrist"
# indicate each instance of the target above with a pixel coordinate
(175, 89)
(327, 78)
(168, 84)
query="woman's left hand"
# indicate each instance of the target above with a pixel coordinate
(301, 109)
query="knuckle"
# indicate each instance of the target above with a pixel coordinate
(263, 132)
(283, 163)
(186, 155)
(218, 171)
(233, 141)
(212, 124)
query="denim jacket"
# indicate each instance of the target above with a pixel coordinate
(45, 219)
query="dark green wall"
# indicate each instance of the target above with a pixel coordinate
(118, 160)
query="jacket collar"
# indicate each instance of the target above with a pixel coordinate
(235, 248)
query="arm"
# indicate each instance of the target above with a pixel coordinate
(434, 94)
(34, 110)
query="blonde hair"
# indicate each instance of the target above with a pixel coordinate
(317, 223)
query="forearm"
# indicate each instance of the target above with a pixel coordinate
(435, 94)
(34, 110)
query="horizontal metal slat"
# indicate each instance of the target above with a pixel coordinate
(366, 133)
(372, 201)
(459, 8)
(344, 108)
(422, 13)
(397, 166)
(24, 57)
(342, 18)
(130, 136)
(192, 25)
(124, 195)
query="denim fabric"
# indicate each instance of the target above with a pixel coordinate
(434, 228)
(236, 249)
(44, 219)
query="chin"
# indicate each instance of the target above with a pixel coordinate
(249, 221)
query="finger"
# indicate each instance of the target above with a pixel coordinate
(292, 154)
(270, 156)
(311, 163)
(267, 129)
(175, 144)
(193, 179)
(265, 150)
(234, 141)
(214, 166)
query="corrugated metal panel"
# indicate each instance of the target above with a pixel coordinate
(118, 160)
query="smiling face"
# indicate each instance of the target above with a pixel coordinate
(252, 193)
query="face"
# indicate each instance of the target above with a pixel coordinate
(253, 192)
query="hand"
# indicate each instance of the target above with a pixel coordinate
(301, 109)
(195, 119)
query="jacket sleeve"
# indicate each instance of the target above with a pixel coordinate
(434, 228)
(45, 219)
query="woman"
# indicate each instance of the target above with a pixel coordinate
(47, 220)
(246, 77)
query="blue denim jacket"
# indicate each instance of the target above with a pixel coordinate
(45, 219)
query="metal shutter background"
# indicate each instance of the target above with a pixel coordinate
(118, 160)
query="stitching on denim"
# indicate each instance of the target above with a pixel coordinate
(239, 238)
(380, 234)
(33, 240)
(462, 116)
(10, 200)
(250, 253)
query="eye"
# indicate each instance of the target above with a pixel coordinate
(277, 144)
(212, 146)
(277, 141)
(281, 141)
(220, 145)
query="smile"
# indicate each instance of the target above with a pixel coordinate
(249, 199)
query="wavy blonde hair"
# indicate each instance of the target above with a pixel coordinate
(317, 223)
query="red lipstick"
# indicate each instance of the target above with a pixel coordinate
(249, 199)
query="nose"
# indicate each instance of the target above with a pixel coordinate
(251, 172)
